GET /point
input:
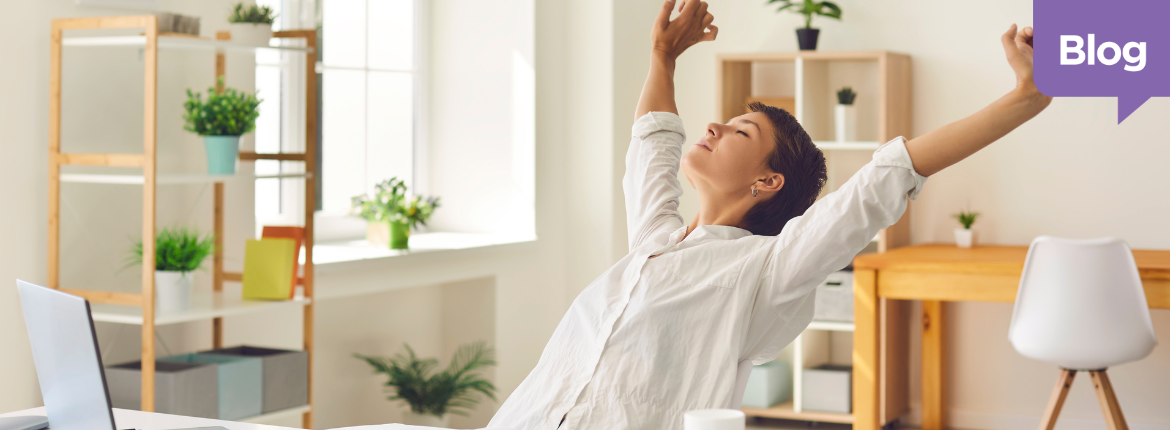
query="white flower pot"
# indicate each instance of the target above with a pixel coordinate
(412, 419)
(846, 122)
(172, 290)
(964, 238)
(250, 34)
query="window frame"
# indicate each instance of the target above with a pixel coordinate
(342, 226)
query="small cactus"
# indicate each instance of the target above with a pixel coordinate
(846, 95)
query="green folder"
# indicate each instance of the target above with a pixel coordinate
(268, 268)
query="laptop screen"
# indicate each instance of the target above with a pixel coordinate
(65, 351)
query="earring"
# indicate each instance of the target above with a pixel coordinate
(754, 191)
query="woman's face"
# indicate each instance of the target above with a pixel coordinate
(731, 157)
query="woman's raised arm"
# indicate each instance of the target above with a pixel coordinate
(950, 143)
(670, 39)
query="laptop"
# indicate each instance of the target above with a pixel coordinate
(65, 352)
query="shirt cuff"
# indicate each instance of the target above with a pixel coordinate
(894, 154)
(653, 122)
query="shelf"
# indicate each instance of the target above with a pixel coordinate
(846, 146)
(830, 326)
(785, 411)
(171, 178)
(172, 42)
(277, 415)
(203, 307)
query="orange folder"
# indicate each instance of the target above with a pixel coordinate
(297, 234)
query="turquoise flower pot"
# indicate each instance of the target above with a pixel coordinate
(223, 153)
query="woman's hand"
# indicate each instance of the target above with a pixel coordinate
(693, 25)
(1018, 47)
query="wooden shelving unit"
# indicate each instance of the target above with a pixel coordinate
(805, 83)
(139, 308)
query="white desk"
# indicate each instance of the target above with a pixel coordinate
(127, 419)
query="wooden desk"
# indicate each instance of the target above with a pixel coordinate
(934, 274)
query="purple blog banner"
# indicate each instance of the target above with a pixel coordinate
(1103, 49)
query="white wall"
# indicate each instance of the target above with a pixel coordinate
(1070, 172)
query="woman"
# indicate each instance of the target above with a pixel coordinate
(667, 329)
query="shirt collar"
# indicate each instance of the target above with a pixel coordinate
(706, 233)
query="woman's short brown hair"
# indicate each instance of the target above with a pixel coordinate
(803, 166)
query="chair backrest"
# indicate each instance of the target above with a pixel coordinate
(1081, 305)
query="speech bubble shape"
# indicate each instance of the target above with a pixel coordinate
(1117, 28)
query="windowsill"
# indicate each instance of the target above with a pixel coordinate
(339, 252)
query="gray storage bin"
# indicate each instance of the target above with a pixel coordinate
(188, 389)
(240, 383)
(828, 388)
(286, 375)
(835, 298)
(770, 384)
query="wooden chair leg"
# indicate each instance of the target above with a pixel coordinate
(1108, 400)
(1063, 383)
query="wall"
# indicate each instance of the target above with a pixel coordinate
(1071, 172)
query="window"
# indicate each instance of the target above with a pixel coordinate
(369, 108)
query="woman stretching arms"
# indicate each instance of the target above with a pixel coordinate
(667, 328)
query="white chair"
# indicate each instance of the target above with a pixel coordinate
(1081, 306)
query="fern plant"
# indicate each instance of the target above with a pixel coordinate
(177, 249)
(808, 8)
(390, 203)
(251, 14)
(231, 113)
(846, 96)
(966, 218)
(452, 390)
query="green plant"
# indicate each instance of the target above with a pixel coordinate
(808, 8)
(390, 203)
(966, 218)
(251, 14)
(846, 96)
(230, 113)
(177, 249)
(411, 379)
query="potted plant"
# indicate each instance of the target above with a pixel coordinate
(964, 237)
(846, 115)
(221, 120)
(432, 396)
(251, 24)
(178, 251)
(807, 36)
(391, 214)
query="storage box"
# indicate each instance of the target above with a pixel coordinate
(285, 375)
(835, 298)
(188, 389)
(240, 382)
(770, 384)
(828, 388)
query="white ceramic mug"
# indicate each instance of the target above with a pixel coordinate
(714, 419)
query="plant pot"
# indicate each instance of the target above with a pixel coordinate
(223, 154)
(964, 238)
(846, 118)
(399, 235)
(378, 233)
(250, 34)
(807, 38)
(172, 290)
(412, 419)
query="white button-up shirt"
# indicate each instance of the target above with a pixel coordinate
(653, 338)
